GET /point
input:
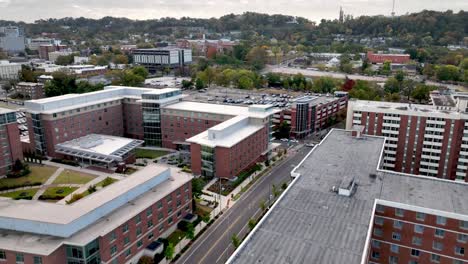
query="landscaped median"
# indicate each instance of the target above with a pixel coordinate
(149, 153)
(91, 189)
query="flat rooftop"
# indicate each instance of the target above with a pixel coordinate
(73, 101)
(405, 109)
(227, 133)
(98, 147)
(46, 244)
(230, 110)
(6, 110)
(312, 224)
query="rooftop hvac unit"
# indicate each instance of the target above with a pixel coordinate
(347, 186)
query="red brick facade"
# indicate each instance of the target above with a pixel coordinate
(10, 146)
(393, 58)
(146, 227)
(403, 236)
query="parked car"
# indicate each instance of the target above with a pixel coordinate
(310, 145)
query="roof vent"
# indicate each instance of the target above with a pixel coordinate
(347, 186)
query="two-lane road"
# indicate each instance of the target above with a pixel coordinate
(215, 245)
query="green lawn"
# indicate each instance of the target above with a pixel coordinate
(23, 194)
(149, 153)
(57, 193)
(176, 236)
(70, 176)
(39, 174)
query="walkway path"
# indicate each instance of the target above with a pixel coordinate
(47, 183)
(82, 188)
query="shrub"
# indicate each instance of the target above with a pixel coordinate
(92, 188)
(107, 181)
(75, 198)
(14, 186)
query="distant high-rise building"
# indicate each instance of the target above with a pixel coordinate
(11, 39)
(341, 15)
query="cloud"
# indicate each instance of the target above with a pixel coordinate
(30, 10)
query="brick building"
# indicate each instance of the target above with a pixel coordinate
(343, 207)
(393, 58)
(30, 90)
(310, 114)
(10, 145)
(425, 140)
(44, 50)
(157, 116)
(115, 225)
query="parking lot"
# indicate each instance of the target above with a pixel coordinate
(277, 98)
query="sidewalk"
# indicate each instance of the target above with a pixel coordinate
(82, 188)
(48, 183)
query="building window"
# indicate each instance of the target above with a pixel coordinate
(150, 236)
(462, 238)
(375, 255)
(2, 255)
(418, 229)
(126, 240)
(420, 216)
(138, 231)
(139, 243)
(393, 260)
(113, 236)
(464, 224)
(160, 205)
(149, 212)
(415, 252)
(437, 245)
(413, 262)
(113, 250)
(417, 241)
(128, 252)
(399, 212)
(459, 250)
(435, 258)
(376, 243)
(138, 219)
(19, 258)
(441, 220)
(379, 221)
(169, 221)
(394, 248)
(378, 232)
(397, 224)
(439, 233)
(396, 236)
(125, 228)
(37, 260)
(150, 223)
(456, 261)
(160, 216)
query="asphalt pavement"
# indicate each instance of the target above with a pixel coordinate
(215, 246)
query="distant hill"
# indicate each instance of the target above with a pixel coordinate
(436, 28)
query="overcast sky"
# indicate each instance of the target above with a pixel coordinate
(30, 10)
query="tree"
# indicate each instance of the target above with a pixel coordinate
(245, 82)
(7, 88)
(324, 85)
(282, 130)
(187, 84)
(252, 223)
(257, 57)
(386, 68)
(392, 97)
(199, 84)
(65, 60)
(262, 205)
(240, 51)
(121, 59)
(392, 86)
(235, 241)
(27, 74)
(348, 85)
(129, 78)
(421, 92)
(190, 232)
(140, 71)
(169, 251)
(448, 73)
(197, 187)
